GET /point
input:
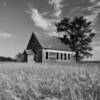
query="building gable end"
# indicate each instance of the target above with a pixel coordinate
(34, 43)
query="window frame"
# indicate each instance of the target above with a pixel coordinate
(57, 56)
(69, 56)
(47, 55)
(61, 56)
(65, 56)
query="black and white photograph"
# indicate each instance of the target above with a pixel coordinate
(49, 49)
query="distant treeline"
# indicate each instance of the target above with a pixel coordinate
(7, 59)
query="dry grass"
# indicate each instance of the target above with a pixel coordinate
(22, 81)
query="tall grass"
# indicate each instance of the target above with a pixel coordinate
(50, 83)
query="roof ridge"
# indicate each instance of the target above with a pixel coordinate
(51, 42)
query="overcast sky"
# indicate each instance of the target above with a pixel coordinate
(18, 18)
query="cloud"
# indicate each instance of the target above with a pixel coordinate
(5, 35)
(92, 1)
(40, 20)
(92, 17)
(94, 10)
(97, 3)
(95, 6)
(57, 6)
(78, 8)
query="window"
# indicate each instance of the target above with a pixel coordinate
(68, 56)
(57, 56)
(46, 55)
(65, 56)
(61, 56)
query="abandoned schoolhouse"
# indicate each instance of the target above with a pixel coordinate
(44, 48)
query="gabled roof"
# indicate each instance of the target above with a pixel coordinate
(51, 42)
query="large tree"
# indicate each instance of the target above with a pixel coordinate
(79, 35)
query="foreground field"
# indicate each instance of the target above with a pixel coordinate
(22, 81)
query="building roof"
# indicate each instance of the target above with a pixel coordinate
(51, 42)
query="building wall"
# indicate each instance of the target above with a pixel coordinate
(38, 56)
(57, 56)
(35, 57)
(35, 46)
(30, 58)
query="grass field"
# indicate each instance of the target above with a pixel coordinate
(23, 81)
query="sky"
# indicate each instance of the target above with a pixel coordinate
(19, 18)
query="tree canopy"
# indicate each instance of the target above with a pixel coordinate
(79, 35)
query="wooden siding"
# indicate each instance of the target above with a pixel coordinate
(52, 56)
(38, 56)
(35, 46)
(30, 58)
(40, 52)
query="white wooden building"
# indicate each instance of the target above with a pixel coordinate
(44, 48)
